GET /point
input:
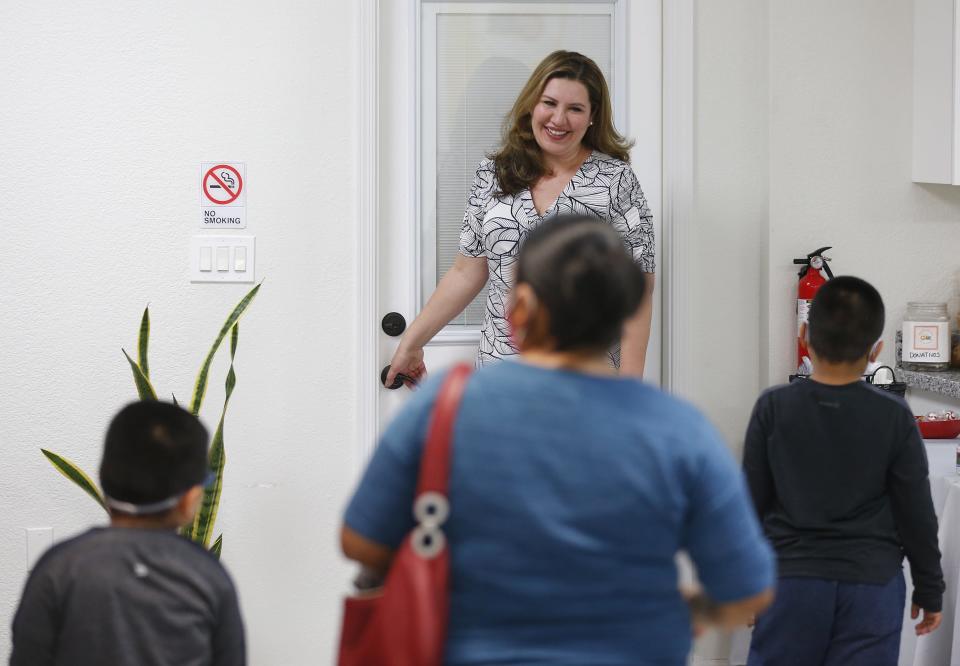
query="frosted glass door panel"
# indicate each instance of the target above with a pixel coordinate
(474, 63)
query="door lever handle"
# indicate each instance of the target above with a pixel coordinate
(398, 381)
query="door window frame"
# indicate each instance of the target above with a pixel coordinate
(426, 116)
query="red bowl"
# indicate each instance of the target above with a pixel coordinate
(939, 429)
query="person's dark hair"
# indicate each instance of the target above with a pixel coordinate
(846, 319)
(582, 273)
(153, 451)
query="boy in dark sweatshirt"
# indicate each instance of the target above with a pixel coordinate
(838, 474)
(136, 592)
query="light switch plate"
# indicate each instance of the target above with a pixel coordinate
(224, 252)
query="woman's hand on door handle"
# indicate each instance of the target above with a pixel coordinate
(407, 362)
(459, 286)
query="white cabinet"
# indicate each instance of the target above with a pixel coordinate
(936, 90)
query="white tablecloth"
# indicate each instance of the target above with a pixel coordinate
(942, 647)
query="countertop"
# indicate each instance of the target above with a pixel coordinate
(946, 382)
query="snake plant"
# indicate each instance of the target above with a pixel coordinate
(201, 530)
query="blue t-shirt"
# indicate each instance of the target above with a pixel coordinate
(570, 495)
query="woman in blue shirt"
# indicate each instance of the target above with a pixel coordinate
(571, 488)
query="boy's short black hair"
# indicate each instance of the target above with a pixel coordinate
(846, 319)
(153, 451)
(581, 271)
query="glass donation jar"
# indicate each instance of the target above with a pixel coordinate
(926, 337)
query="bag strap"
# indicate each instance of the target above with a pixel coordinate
(435, 459)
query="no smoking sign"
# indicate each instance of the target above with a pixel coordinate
(223, 185)
(223, 195)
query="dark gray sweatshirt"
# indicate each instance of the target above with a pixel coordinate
(123, 596)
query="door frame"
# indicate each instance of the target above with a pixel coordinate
(367, 140)
(677, 145)
(677, 134)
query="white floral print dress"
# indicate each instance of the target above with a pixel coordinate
(495, 227)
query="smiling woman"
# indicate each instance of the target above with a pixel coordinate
(560, 153)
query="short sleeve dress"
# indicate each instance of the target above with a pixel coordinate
(494, 227)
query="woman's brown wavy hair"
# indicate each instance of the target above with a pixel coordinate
(519, 161)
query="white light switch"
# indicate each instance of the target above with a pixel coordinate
(39, 539)
(222, 258)
(206, 258)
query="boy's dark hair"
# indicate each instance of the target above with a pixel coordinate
(153, 451)
(846, 319)
(581, 271)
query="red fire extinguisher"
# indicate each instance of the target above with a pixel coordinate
(811, 279)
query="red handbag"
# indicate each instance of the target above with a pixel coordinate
(404, 623)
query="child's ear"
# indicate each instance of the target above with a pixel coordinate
(875, 352)
(524, 302)
(804, 329)
(529, 320)
(189, 502)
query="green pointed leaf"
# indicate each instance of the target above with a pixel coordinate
(217, 547)
(143, 341)
(207, 514)
(234, 337)
(200, 387)
(204, 521)
(144, 387)
(75, 474)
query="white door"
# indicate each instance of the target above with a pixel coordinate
(448, 73)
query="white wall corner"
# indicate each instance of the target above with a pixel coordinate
(678, 187)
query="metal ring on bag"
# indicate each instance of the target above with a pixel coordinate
(427, 541)
(431, 508)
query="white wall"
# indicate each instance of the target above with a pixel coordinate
(840, 156)
(729, 223)
(803, 139)
(107, 110)
(730, 209)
